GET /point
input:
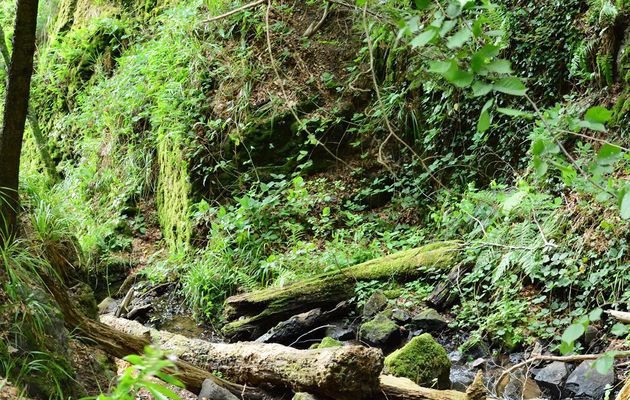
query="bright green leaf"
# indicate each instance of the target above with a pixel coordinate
(499, 67)
(625, 205)
(604, 364)
(459, 38)
(573, 333)
(424, 38)
(459, 77)
(597, 115)
(595, 315)
(484, 118)
(608, 153)
(480, 88)
(510, 85)
(619, 329)
(441, 67)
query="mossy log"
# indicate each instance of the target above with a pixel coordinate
(348, 372)
(263, 309)
(120, 344)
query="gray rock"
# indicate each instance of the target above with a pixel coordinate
(478, 363)
(461, 377)
(339, 332)
(375, 304)
(586, 382)
(380, 331)
(401, 316)
(429, 320)
(456, 356)
(590, 335)
(212, 391)
(551, 378)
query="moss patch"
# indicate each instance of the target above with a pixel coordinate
(422, 360)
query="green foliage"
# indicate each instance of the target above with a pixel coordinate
(142, 376)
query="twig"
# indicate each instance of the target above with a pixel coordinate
(593, 138)
(309, 332)
(236, 10)
(314, 26)
(583, 357)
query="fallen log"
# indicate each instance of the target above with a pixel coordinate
(261, 310)
(443, 296)
(344, 373)
(621, 316)
(405, 389)
(120, 344)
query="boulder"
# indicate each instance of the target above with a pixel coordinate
(375, 304)
(461, 377)
(551, 378)
(429, 320)
(422, 360)
(585, 381)
(303, 396)
(212, 391)
(380, 332)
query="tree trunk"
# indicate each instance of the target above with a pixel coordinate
(15, 110)
(343, 373)
(265, 308)
(38, 136)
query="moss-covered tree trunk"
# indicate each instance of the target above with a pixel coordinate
(263, 309)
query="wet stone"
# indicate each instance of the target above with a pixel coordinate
(586, 382)
(380, 332)
(401, 316)
(551, 378)
(375, 304)
(429, 320)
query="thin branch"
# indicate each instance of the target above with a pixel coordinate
(236, 10)
(594, 139)
(314, 27)
(584, 357)
(309, 332)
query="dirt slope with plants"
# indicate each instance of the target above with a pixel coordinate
(212, 168)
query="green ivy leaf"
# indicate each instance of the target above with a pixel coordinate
(485, 118)
(424, 38)
(573, 333)
(459, 39)
(480, 88)
(511, 85)
(566, 348)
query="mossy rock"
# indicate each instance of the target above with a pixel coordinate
(376, 303)
(326, 343)
(422, 360)
(380, 331)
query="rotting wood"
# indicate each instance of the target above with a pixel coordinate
(344, 373)
(443, 295)
(263, 309)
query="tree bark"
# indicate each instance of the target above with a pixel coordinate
(343, 373)
(265, 308)
(15, 111)
(38, 136)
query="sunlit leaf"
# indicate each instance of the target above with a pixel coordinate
(480, 88)
(459, 38)
(425, 37)
(485, 118)
(510, 85)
